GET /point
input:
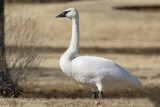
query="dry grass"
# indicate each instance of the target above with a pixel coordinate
(101, 26)
(39, 102)
(21, 32)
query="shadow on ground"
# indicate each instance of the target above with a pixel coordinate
(119, 50)
(145, 8)
(56, 72)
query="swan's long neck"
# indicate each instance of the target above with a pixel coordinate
(70, 54)
(74, 45)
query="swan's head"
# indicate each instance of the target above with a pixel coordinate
(69, 13)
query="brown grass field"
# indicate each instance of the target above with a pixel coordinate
(129, 37)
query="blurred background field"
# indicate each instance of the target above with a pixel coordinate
(125, 31)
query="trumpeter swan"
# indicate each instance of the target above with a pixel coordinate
(91, 70)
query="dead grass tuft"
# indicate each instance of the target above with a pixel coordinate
(20, 31)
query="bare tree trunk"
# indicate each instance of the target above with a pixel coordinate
(2, 47)
(3, 70)
(5, 81)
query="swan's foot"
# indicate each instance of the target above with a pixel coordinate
(100, 95)
(94, 95)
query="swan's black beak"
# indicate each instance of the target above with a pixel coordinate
(62, 14)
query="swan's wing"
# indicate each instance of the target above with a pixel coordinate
(101, 68)
(90, 65)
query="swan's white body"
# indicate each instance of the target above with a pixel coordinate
(92, 70)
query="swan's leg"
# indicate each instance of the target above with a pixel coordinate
(100, 95)
(94, 93)
(100, 88)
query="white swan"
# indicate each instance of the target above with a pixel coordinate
(92, 70)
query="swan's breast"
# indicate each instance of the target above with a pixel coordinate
(65, 65)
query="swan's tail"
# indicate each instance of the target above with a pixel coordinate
(140, 86)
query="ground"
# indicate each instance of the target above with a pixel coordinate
(103, 31)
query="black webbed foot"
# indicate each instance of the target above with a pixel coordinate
(94, 95)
